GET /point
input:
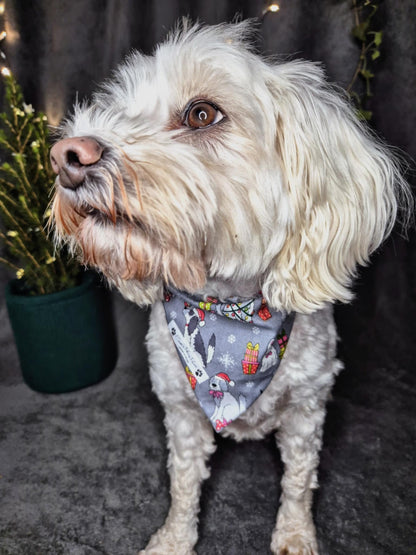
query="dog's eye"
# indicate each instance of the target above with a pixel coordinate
(202, 114)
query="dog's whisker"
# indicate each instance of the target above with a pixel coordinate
(129, 165)
(112, 211)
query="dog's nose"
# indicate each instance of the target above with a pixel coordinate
(70, 157)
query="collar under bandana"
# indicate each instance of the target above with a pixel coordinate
(230, 351)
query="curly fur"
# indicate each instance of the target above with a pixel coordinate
(287, 194)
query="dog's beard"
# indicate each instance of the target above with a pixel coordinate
(113, 223)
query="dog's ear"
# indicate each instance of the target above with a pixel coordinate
(344, 189)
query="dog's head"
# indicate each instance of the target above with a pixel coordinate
(205, 163)
(220, 382)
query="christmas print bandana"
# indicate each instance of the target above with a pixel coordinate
(230, 350)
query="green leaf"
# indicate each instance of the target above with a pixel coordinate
(375, 54)
(378, 37)
(360, 31)
(364, 114)
(366, 73)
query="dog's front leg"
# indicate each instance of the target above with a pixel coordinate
(299, 440)
(190, 439)
(190, 443)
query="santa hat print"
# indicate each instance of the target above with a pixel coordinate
(225, 377)
(201, 316)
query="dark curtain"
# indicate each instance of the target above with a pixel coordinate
(61, 49)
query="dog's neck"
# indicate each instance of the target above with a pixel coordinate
(227, 289)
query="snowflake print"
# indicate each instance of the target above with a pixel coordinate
(212, 317)
(173, 314)
(256, 330)
(249, 385)
(227, 361)
(231, 339)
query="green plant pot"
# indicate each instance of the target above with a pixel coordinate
(65, 340)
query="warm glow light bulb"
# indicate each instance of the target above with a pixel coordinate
(3, 35)
(5, 71)
(273, 8)
(2, 8)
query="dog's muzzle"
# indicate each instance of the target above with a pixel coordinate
(71, 157)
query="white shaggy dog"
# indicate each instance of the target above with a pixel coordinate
(211, 171)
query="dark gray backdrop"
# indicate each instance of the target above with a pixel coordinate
(84, 473)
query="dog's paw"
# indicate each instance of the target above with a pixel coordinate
(166, 543)
(166, 550)
(294, 541)
(297, 545)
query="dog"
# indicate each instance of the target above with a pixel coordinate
(227, 407)
(206, 176)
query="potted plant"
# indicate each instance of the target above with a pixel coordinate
(60, 315)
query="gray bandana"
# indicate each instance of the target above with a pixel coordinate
(230, 351)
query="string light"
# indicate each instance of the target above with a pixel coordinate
(5, 70)
(274, 8)
(271, 8)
